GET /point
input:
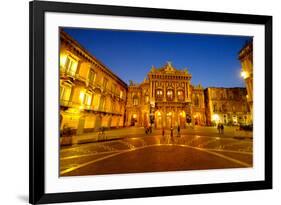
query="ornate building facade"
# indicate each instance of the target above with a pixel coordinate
(165, 98)
(227, 106)
(246, 59)
(91, 95)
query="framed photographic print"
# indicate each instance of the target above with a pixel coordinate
(139, 102)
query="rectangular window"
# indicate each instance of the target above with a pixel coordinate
(70, 66)
(114, 88)
(105, 83)
(65, 92)
(102, 102)
(92, 76)
(88, 99)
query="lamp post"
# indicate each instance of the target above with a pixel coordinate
(151, 113)
(216, 118)
(244, 74)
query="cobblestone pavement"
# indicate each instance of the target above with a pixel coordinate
(148, 153)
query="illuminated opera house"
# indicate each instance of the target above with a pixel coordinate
(93, 96)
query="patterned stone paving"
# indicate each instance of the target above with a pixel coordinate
(236, 148)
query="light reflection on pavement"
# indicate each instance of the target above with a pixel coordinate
(229, 152)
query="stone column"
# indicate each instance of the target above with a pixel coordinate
(165, 91)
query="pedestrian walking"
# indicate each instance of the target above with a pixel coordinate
(150, 129)
(172, 134)
(179, 131)
(222, 128)
(219, 128)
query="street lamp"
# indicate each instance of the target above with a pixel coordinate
(244, 74)
(216, 118)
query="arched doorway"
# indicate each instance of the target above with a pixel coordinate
(169, 119)
(197, 119)
(134, 119)
(158, 119)
(182, 119)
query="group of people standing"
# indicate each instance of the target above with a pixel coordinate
(148, 130)
(171, 131)
(220, 128)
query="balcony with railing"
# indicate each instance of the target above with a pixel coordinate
(159, 98)
(67, 73)
(67, 103)
(89, 108)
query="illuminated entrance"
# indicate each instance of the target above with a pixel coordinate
(182, 119)
(170, 119)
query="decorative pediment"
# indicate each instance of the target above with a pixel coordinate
(168, 68)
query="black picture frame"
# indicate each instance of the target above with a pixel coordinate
(37, 194)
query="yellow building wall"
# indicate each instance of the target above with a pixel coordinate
(84, 68)
(90, 121)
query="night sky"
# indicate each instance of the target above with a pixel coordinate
(211, 59)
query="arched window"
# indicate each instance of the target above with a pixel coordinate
(170, 94)
(180, 95)
(135, 100)
(159, 94)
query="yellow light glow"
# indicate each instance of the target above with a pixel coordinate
(169, 114)
(244, 74)
(159, 113)
(62, 60)
(215, 117)
(134, 116)
(182, 114)
(89, 100)
(81, 96)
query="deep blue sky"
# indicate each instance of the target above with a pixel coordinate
(211, 59)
